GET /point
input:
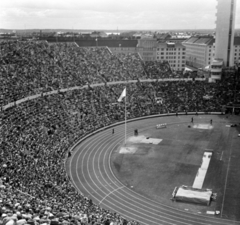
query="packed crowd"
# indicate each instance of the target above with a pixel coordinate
(36, 134)
(28, 68)
(133, 65)
(34, 140)
(156, 69)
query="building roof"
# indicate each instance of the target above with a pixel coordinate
(177, 39)
(163, 36)
(201, 40)
(108, 42)
(166, 45)
(208, 40)
(147, 43)
(191, 40)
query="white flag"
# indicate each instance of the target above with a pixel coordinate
(122, 95)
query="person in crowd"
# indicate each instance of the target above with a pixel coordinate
(36, 134)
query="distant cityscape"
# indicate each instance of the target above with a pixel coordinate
(35, 33)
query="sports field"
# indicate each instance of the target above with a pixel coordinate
(106, 172)
(155, 170)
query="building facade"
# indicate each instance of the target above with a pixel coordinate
(174, 53)
(225, 24)
(200, 51)
(201, 54)
(236, 52)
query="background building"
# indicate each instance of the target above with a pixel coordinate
(236, 52)
(199, 52)
(225, 24)
(172, 52)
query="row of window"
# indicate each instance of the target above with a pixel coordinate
(170, 59)
(177, 65)
(170, 53)
(234, 54)
(170, 49)
(174, 57)
(216, 67)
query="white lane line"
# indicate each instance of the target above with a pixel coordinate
(84, 154)
(226, 179)
(111, 193)
(91, 187)
(100, 148)
(221, 156)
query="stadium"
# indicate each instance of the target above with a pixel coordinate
(70, 153)
(119, 130)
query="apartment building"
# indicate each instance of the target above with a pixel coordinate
(174, 53)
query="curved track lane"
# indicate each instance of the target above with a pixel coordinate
(91, 174)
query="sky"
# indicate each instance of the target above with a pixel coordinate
(110, 14)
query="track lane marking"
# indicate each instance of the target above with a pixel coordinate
(191, 214)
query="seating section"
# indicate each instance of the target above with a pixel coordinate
(133, 66)
(158, 70)
(36, 134)
(29, 68)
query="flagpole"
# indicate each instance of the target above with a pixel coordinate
(124, 95)
(125, 119)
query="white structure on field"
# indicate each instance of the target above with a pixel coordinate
(202, 171)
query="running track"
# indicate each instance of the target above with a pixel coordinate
(91, 174)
